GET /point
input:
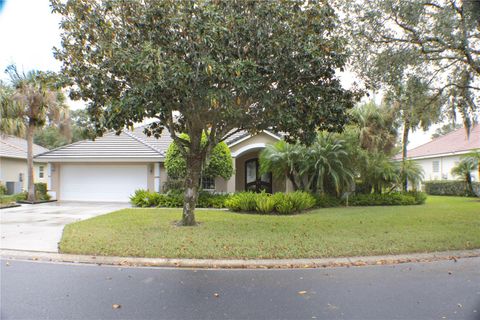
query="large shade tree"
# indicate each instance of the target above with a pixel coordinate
(438, 39)
(209, 67)
(27, 103)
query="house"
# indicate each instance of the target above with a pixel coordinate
(13, 162)
(112, 167)
(438, 157)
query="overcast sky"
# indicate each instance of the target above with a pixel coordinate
(29, 31)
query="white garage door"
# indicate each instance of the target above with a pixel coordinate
(98, 182)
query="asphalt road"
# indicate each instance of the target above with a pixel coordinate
(435, 290)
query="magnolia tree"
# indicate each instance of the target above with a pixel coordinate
(205, 67)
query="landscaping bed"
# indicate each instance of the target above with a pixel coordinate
(442, 223)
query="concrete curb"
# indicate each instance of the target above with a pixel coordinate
(238, 263)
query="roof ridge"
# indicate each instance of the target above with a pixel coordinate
(130, 134)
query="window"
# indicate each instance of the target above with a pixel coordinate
(436, 166)
(208, 183)
(41, 172)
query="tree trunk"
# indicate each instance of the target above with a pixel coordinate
(468, 177)
(194, 161)
(291, 177)
(406, 130)
(31, 182)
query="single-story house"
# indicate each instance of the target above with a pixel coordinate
(112, 167)
(438, 157)
(13, 162)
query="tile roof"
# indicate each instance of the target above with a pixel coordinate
(14, 147)
(129, 145)
(453, 142)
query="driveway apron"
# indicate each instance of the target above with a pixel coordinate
(39, 227)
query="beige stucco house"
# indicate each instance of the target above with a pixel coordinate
(112, 167)
(13, 162)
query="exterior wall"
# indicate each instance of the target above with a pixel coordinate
(151, 177)
(446, 165)
(257, 139)
(163, 176)
(10, 169)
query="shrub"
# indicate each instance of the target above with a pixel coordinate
(301, 200)
(283, 204)
(174, 199)
(41, 191)
(265, 203)
(327, 201)
(390, 199)
(450, 188)
(3, 189)
(243, 201)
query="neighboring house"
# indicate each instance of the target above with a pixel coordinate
(112, 167)
(13, 162)
(439, 156)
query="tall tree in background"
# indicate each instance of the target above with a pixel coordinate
(209, 67)
(445, 129)
(26, 105)
(416, 108)
(439, 39)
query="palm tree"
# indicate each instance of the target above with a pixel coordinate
(26, 105)
(416, 107)
(412, 172)
(464, 171)
(284, 160)
(327, 163)
(377, 171)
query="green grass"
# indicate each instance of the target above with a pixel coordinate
(7, 199)
(443, 223)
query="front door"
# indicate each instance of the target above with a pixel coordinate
(254, 181)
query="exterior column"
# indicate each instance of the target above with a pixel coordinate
(232, 181)
(49, 176)
(156, 177)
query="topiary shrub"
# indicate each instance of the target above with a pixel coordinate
(41, 191)
(3, 189)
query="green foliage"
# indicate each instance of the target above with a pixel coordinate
(3, 189)
(219, 163)
(451, 188)
(50, 138)
(389, 199)
(41, 191)
(264, 203)
(445, 129)
(327, 201)
(209, 67)
(242, 201)
(174, 199)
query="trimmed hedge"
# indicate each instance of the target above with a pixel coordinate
(265, 203)
(145, 199)
(390, 199)
(450, 188)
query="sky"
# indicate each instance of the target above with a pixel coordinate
(29, 31)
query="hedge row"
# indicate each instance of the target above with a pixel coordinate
(450, 188)
(278, 203)
(144, 199)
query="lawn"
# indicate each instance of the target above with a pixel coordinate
(443, 223)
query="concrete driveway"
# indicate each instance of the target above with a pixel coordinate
(39, 227)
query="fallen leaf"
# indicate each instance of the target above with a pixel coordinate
(449, 272)
(7, 264)
(216, 295)
(302, 292)
(460, 305)
(116, 306)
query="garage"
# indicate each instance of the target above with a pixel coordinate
(101, 182)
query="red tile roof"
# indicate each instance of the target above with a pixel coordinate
(453, 142)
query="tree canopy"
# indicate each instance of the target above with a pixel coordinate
(210, 67)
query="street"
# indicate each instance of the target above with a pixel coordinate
(435, 290)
